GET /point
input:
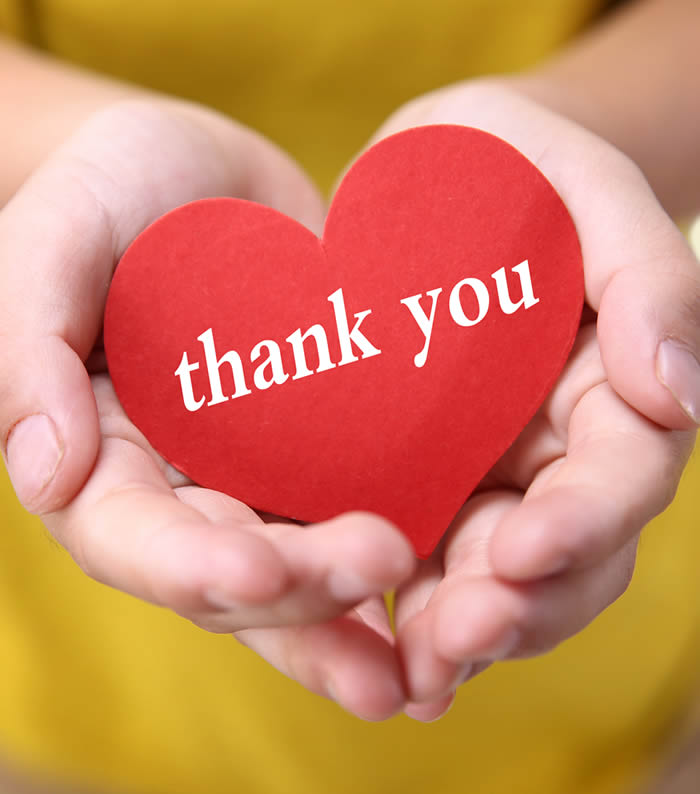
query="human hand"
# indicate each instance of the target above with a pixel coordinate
(549, 538)
(127, 518)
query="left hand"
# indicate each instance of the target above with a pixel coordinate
(549, 538)
(128, 518)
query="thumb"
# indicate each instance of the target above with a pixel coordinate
(649, 332)
(49, 420)
(60, 238)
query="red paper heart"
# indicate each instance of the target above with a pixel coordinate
(422, 210)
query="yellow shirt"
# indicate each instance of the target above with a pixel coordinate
(97, 687)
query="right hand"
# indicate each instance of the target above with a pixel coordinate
(127, 518)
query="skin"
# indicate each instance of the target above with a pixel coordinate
(549, 539)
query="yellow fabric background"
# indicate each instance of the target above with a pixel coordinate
(318, 77)
(98, 687)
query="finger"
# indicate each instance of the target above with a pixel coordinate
(543, 441)
(434, 709)
(422, 668)
(207, 555)
(343, 660)
(430, 677)
(639, 273)
(620, 471)
(49, 430)
(474, 618)
(374, 614)
(649, 321)
(331, 567)
(60, 237)
(489, 619)
(415, 593)
(127, 529)
(430, 712)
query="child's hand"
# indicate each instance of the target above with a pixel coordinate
(126, 517)
(549, 540)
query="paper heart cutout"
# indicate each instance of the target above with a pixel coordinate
(432, 208)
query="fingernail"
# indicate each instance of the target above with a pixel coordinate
(679, 371)
(34, 452)
(442, 714)
(346, 586)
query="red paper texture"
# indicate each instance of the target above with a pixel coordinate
(421, 210)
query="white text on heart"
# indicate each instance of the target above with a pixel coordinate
(270, 369)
